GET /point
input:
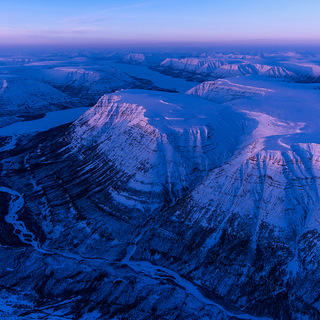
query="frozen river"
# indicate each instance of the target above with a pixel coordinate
(157, 78)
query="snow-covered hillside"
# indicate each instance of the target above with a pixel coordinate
(30, 90)
(306, 72)
(85, 83)
(202, 66)
(244, 69)
(21, 97)
(18, 92)
(162, 205)
(172, 140)
(288, 66)
(221, 91)
(135, 58)
(217, 69)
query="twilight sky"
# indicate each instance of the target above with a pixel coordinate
(103, 22)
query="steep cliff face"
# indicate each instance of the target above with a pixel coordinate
(118, 163)
(249, 231)
(163, 144)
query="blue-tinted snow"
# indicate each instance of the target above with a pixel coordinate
(157, 78)
(51, 120)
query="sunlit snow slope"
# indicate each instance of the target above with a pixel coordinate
(165, 142)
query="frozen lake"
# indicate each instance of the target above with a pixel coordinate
(51, 120)
(157, 78)
(56, 118)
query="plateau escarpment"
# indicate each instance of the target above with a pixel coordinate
(249, 232)
(202, 66)
(119, 162)
(159, 144)
(219, 66)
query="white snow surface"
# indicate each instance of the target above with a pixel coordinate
(202, 66)
(295, 108)
(50, 120)
(221, 91)
(275, 168)
(18, 93)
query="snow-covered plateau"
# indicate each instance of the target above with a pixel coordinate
(286, 66)
(155, 204)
